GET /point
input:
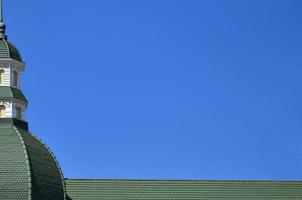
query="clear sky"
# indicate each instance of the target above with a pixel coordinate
(164, 89)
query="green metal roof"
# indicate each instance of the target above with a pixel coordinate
(28, 169)
(14, 171)
(80, 189)
(9, 51)
(11, 92)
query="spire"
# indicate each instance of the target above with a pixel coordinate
(2, 25)
(1, 14)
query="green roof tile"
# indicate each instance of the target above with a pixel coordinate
(9, 51)
(47, 180)
(28, 169)
(78, 189)
(14, 175)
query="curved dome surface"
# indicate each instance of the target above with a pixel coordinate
(9, 51)
(28, 169)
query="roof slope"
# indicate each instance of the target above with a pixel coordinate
(78, 189)
(47, 179)
(11, 92)
(28, 169)
(9, 51)
(12, 159)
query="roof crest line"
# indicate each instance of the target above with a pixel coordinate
(29, 171)
(56, 161)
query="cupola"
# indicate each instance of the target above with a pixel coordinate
(28, 168)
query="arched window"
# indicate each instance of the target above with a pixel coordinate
(2, 76)
(2, 111)
(15, 78)
(18, 113)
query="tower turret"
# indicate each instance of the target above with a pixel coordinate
(12, 101)
(28, 168)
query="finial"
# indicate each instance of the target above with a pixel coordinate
(2, 25)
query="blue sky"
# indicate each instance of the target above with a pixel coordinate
(164, 89)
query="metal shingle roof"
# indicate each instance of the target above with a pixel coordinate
(78, 189)
(9, 51)
(14, 182)
(28, 169)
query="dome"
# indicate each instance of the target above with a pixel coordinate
(9, 51)
(28, 169)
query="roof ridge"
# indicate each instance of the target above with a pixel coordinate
(7, 47)
(28, 163)
(15, 48)
(56, 161)
(188, 180)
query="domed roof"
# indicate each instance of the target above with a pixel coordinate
(28, 169)
(9, 51)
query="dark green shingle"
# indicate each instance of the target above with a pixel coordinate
(13, 166)
(9, 51)
(28, 169)
(78, 189)
(47, 180)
